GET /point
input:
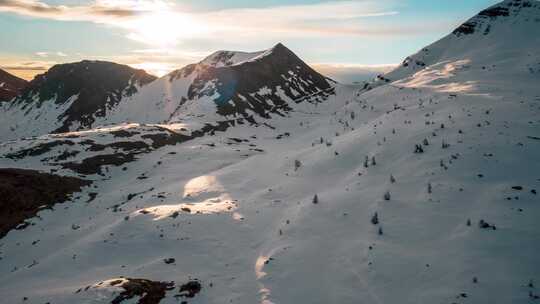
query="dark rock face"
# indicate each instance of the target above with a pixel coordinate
(150, 292)
(64, 150)
(190, 289)
(25, 192)
(258, 85)
(96, 86)
(505, 9)
(224, 57)
(10, 86)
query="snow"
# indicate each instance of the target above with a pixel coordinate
(262, 240)
(44, 117)
(229, 58)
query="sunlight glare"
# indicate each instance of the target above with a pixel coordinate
(164, 28)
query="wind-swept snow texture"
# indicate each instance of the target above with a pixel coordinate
(426, 193)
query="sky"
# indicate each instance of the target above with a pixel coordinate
(347, 40)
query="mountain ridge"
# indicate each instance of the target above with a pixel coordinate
(509, 25)
(10, 85)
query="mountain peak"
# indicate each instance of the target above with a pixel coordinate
(228, 58)
(81, 91)
(225, 58)
(280, 46)
(251, 79)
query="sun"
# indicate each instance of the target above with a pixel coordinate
(158, 69)
(165, 28)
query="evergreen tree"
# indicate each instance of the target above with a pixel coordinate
(375, 219)
(297, 165)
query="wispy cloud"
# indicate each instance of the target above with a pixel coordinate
(98, 11)
(50, 54)
(24, 68)
(350, 73)
(163, 23)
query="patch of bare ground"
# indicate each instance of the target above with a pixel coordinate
(25, 192)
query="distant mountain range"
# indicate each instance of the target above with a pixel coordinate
(78, 96)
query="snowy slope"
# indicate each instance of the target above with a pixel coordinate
(447, 157)
(507, 33)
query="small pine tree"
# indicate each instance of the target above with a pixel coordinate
(425, 142)
(373, 162)
(469, 222)
(366, 162)
(475, 280)
(387, 196)
(380, 230)
(375, 219)
(297, 165)
(429, 188)
(392, 179)
(315, 199)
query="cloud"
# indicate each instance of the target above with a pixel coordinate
(351, 73)
(24, 68)
(163, 23)
(49, 54)
(321, 19)
(95, 12)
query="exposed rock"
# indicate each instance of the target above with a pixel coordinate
(25, 192)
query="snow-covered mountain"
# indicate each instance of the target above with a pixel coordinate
(423, 189)
(227, 86)
(507, 33)
(10, 86)
(69, 97)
